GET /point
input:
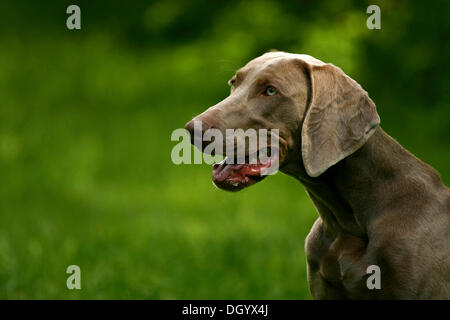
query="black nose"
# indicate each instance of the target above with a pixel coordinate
(197, 125)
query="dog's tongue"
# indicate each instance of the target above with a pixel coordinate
(222, 171)
(235, 172)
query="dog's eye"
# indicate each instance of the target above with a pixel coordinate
(270, 91)
(232, 82)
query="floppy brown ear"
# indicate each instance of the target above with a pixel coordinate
(340, 119)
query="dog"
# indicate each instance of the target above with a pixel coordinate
(378, 204)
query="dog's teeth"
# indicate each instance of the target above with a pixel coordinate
(220, 163)
(235, 184)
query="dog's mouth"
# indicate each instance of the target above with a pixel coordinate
(231, 176)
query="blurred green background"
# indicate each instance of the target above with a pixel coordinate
(85, 124)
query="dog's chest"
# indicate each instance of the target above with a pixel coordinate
(335, 262)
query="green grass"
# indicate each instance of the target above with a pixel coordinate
(87, 180)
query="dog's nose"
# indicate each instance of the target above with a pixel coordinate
(197, 128)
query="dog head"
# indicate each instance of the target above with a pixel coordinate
(310, 107)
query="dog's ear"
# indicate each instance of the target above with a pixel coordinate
(339, 120)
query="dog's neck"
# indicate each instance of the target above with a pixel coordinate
(350, 194)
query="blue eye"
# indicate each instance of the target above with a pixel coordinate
(270, 91)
